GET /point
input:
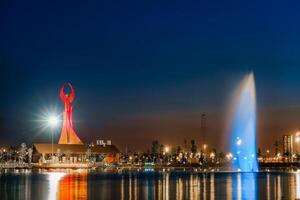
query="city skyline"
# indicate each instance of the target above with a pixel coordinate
(148, 71)
(149, 100)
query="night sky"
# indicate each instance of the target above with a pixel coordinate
(147, 70)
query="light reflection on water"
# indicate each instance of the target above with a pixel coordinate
(149, 185)
(54, 181)
(297, 186)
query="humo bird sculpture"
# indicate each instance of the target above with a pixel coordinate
(68, 135)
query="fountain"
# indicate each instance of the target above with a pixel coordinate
(243, 127)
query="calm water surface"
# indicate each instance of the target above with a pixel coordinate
(148, 185)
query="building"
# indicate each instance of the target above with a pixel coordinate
(287, 145)
(75, 153)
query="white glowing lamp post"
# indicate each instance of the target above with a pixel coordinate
(52, 122)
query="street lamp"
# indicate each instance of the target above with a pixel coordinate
(268, 152)
(52, 122)
(167, 149)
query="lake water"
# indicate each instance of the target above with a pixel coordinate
(148, 185)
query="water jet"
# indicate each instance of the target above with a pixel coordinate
(243, 127)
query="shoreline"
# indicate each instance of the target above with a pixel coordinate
(263, 167)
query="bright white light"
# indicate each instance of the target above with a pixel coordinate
(53, 179)
(297, 185)
(167, 149)
(239, 141)
(53, 121)
(229, 156)
(297, 139)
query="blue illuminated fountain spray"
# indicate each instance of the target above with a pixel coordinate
(243, 127)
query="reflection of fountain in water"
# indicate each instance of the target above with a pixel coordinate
(243, 127)
(241, 186)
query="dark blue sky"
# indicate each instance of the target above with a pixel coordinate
(146, 70)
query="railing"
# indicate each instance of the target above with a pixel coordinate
(63, 165)
(14, 165)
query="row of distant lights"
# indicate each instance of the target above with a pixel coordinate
(53, 121)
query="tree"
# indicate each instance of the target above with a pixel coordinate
(193, 146)
(178, 150)
(88, 153)
(155, 147)
(22, 153)
(1, 155)
(259, 153)
(214, 150)
(10, 153)
(276, 145)
(58, 154)
(185, 144)
(29, 154)
(101, 157)
(68, 154)
(161, 149)
(221, 156)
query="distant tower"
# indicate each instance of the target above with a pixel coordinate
(68, 135)
(288, 147)
(203, 130)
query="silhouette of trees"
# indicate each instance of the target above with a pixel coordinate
(193, 146)
(155, 147)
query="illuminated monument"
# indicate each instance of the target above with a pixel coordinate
(243, 142)
(68, 135)
(72, 150)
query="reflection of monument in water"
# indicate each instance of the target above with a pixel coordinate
(68, 135)
(66, 186)
(73, 186)
(243, 127)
